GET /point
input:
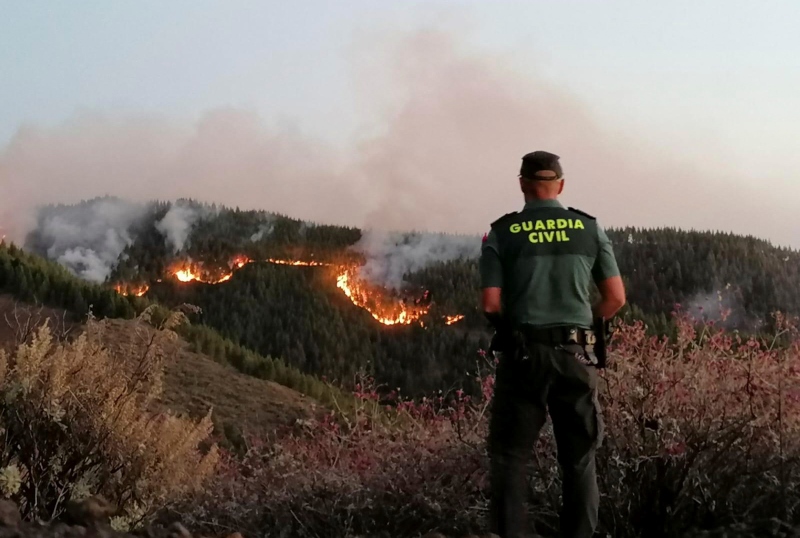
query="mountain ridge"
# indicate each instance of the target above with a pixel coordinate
(301, 314)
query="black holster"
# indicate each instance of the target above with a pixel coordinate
(597, 342)
(511, 343)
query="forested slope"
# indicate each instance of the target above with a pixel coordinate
(664, 267)
(301, 315)
(297, 313)
(35, 281)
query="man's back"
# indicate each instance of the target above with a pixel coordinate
(544, 258)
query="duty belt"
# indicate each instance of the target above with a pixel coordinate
(513, 343)
(560, 335)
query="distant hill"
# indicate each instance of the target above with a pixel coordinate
(304, 315)
(242, 404)
(30, 279)
(18, 320)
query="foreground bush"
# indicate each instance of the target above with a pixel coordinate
(77, 422)
(363, 472)
(702, 431)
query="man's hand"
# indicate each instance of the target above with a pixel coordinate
(612, 294)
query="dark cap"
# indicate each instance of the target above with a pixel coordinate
(540, 161)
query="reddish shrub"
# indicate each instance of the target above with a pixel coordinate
(704, 429)
(700, 430)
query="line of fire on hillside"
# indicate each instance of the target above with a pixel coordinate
(384, 309)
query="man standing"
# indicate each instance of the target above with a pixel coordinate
(536, 269)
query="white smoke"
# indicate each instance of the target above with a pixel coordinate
(264, 230)
(177, 223)
(87, 238)
(392, 255)
(722, 307)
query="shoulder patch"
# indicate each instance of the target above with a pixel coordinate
(504, 217)
(579, 212)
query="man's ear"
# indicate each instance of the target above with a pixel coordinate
(522, 184)
(561, 186)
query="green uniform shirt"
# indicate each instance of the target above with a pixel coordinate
(545, 258)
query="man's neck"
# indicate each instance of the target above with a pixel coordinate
(529, 198)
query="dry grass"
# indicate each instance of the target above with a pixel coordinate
(77, 422)
(18, 320)
(192, 382)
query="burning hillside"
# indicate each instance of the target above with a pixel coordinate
(383, 307)
(298, 263)
(137, 290)
(198, 272)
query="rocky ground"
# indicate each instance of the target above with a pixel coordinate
(90, 519)
(87, 519)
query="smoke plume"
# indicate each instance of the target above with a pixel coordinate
(264, 230)
(723, 308)
(87, 238)
(440, 153)
(178, 222)
(391, 255)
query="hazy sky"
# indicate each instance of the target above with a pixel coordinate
(407, 114)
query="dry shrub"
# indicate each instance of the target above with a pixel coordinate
(702, 431)
(364, 471)
(77, 422)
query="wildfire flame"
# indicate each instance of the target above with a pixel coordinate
(132, 289)
(449, 320)
(298, 263)
(195, 272)
(388, 314)
(386, 310)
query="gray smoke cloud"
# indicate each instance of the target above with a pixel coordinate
(445, 128)
(722, 307)
(392, 255)
(264, 230)
(177, 223)
(87, 238)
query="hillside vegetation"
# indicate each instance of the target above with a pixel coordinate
(193, 383)
(31, 279)
(299, 315)
(77, 421)
(701, 436)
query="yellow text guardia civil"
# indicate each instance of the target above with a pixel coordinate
(547, 230)
(77, 422)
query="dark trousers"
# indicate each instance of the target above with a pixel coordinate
(551, 379)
